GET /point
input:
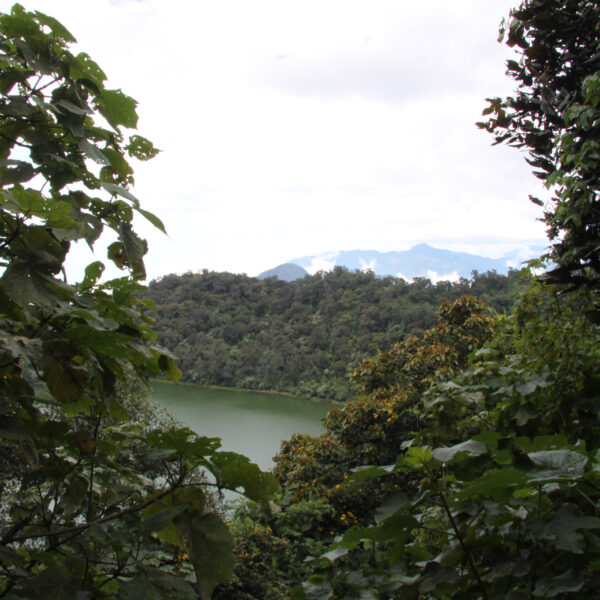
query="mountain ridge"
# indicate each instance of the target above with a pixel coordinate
(422, 260)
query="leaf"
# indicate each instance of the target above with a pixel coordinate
(526, 387)
(85, 442)
(162, 519)
(19, 174)
(367, 472)
(524, 414)
(156, 584)
(52, 583)
(93, 272)
(391, 504)
(141, 148)
(210, 546)
(117, 108)
(65, 380)
(74, 108)
(397, 527)
(334, 554)
(116, 253)
(489, 438)
(135, 249)
(564, 461)
(418, 456)
(119, 190)
(470, 448)
(496, 483)
(436, 574)
(168, 366)
(113, 343)
(152, 218)
(57, 28)
(564, 530)
(238, 472)
(354, 536)
(93, 152)
(118, 166)
(194, 497)
(84, 68)
(11, 429)
(183, 440)
(567, 582)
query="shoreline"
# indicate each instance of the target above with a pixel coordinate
(313, 399)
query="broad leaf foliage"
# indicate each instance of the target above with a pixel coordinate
(553, 116)
(95, 503)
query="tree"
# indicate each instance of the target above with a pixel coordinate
(505, 496)
(553, 116)
(501, 489)
(78, 518)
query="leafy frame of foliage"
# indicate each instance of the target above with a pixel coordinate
(79, 519)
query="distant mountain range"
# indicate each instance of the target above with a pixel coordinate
(285, 272)
(421, 260)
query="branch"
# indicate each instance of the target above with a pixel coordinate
(465, 550)
(15, 141)
(79, 528)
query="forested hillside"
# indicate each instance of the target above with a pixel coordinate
(304, 336)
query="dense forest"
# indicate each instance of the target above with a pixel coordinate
(304, 336)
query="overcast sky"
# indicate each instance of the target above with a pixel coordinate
(290, 128)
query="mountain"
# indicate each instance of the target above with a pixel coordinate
(285, 272)
(421, 260)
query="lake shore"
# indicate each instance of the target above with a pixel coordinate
(314, 399)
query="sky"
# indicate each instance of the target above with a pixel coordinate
(291, 128)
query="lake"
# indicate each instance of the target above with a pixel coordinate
(249, 423)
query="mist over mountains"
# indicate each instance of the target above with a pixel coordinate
(421, 260)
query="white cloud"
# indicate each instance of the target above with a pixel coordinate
(326, 262)
(434, 277)
(367, 265)
(293, 128)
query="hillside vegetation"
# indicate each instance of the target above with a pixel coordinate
(304, 336)
(468, 466)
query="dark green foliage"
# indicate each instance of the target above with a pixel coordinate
(504, 500)
(327, 490)
(304, 336)
(262, 561)
(553, 116)
(501, 496)
(97, 502)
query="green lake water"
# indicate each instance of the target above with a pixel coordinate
(250, 423)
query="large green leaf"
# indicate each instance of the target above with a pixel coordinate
(168, 366)
(496, 483)
(153, 219)
(119, 190)
(566, 583)
(25, 285)
(237, 472)
(57, 28)
(93, 152)
(565, 530)
(562, 460)
(210, 546)
(141, 148)
(83, 67)
(155, 584)
(468, 448)
(18, 174)
(162, 519)
(117, 108)
(66, 380)
(183, 440)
